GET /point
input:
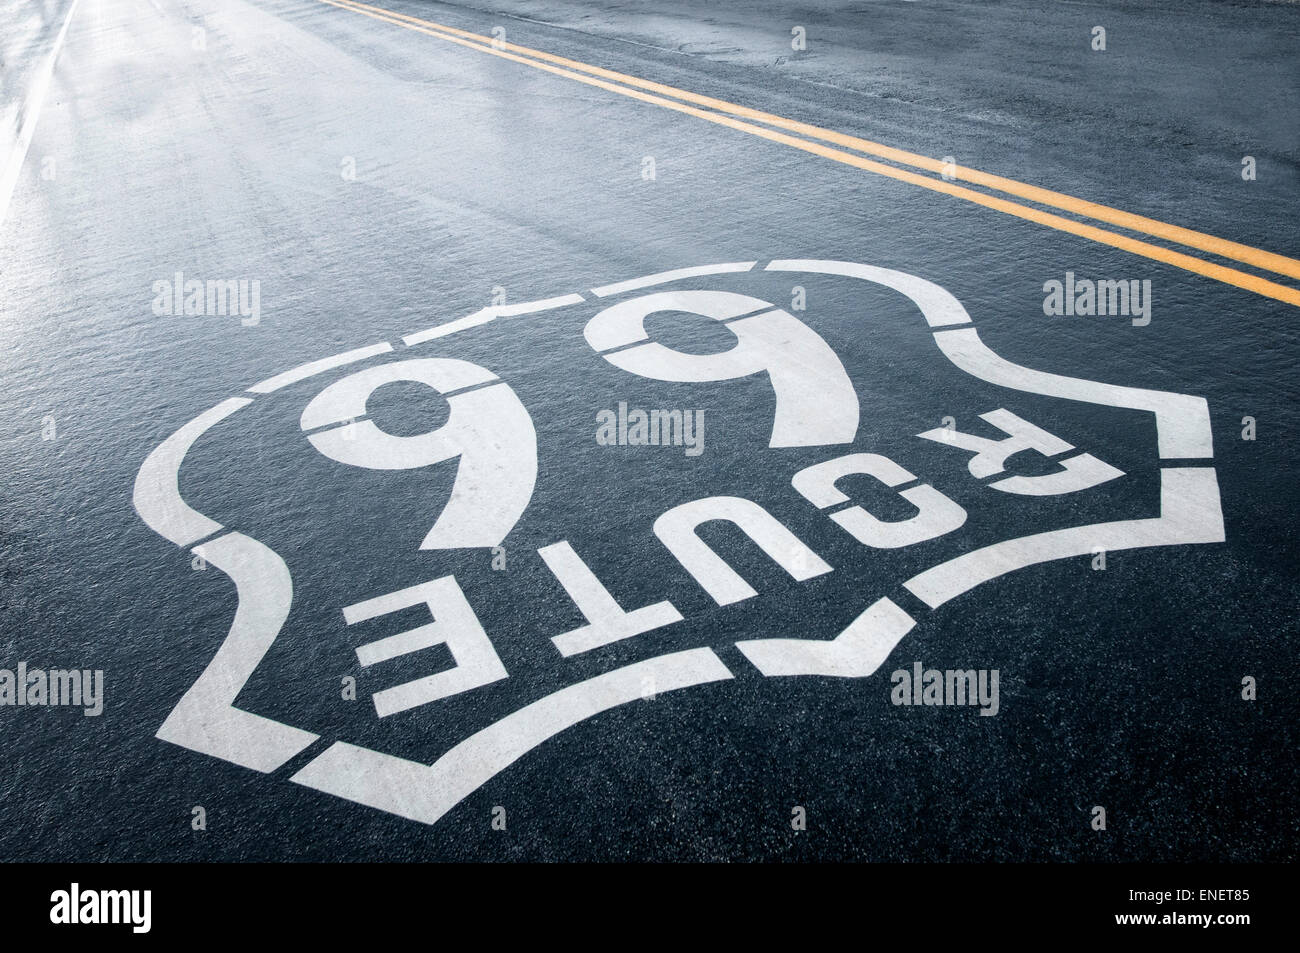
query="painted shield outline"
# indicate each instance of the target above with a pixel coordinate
(206, 719)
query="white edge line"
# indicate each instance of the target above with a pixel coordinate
(938, 305)
(31, 112)
(484, 315)
(425, 793)
(664, 277)
(157, 496)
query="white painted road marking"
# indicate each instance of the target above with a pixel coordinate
(855, 653)
(206, 719)
(678, 529)
(157, 495)
(1189, 513)
(206, 722)
(488, 314)
(936, 513)
(455, 625)
(816, 403)
(426, 793)
(1079, 472)
(607, 621)
(677, 274)
(1182, 421)
(488, 430)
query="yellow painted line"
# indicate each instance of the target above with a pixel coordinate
(590, 76)
(1222, 247)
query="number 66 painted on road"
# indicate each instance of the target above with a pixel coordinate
(488, 429)
(816, 403)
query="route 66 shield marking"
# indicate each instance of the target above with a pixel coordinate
(494, 463)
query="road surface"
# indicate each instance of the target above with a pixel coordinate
(480, 615)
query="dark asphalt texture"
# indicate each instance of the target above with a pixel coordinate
(1119, 688)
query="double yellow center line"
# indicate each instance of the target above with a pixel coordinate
(821, 142)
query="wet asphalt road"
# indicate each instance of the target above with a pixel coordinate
(375, 181)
